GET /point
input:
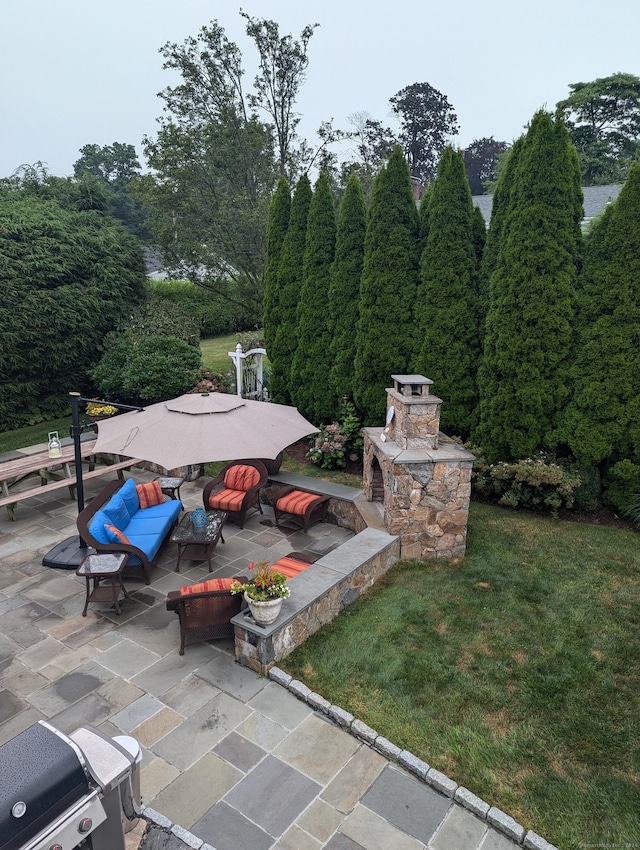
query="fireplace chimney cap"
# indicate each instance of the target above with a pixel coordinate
(411, 385)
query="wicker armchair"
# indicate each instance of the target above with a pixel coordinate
(205, 610)
(236, 489)
(300, 507)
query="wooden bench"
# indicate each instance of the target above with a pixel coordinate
(14, 471)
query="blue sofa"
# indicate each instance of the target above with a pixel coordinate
(115, 516)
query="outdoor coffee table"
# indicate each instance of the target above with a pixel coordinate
(106, 566)
(197, 544)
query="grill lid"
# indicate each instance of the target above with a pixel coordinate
(42, 775)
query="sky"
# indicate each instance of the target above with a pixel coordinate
(77, 72)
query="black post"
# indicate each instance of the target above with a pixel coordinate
(76, 432)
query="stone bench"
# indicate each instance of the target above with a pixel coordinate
(318, 595)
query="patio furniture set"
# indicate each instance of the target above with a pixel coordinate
(127, 524)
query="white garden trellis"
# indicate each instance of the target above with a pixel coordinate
(249, 373)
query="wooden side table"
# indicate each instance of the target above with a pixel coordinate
(108, 566)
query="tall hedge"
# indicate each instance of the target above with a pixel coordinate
(310, 385)
(524, 380)
(385, 337)
(277, 225)
(68, 275)
(446, 306)
(603, 421)
(285, 341)
(344, 288)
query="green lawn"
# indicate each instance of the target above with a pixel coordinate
(515, 671)
(215, 352)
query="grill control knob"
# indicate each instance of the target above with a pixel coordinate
(19, 809)
(56, 847)
(85, 825)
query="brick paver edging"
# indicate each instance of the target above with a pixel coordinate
(495, 817)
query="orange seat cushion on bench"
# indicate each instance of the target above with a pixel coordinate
(289, 567)
(296, 502)
(205, 586)
(227, 500)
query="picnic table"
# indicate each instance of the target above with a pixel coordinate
(54, 473)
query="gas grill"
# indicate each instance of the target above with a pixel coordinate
(60, 792)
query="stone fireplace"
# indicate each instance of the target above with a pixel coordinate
(422, 477)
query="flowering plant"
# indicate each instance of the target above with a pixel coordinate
(96, 408)
(265, 584)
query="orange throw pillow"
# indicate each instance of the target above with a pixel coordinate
(212, 584)
(149, 494)
(115, 535)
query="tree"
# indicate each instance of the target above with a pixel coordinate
(277, 224)
(282, 72)
(603, 420)
(603, 119)
(285, 341)
(479, 235)
(310, 385)
(446, 306)
(344, 288)
(426, 120)
(214, 162)
(524, 379)
(385, 336)
(69, 273)
(481, 160)
(115, 166)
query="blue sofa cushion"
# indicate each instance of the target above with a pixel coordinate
(117, 512)
(129, 496)
(149, 527)
(97, 526)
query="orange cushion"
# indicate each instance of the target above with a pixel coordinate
(149, 494)
(212, 584)
(290, 567)
(227, 500)
(296, 502)
(115, 535)
(241, 477)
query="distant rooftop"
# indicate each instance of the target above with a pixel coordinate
(596, 199)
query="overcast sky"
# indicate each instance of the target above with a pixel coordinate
(76, 72)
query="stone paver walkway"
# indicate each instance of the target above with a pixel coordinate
(234, 759)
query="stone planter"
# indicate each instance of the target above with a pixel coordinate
(264, 613)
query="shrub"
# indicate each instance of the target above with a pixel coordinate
(539, 483)
(633, 511)
(329, 448)
(204, 380)
(621, 485)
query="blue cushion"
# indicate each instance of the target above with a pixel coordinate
(97, 527)
(117, 512)
(129, 496)
(149, 543)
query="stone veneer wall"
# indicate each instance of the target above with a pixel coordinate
(318, 595)
(426, 494)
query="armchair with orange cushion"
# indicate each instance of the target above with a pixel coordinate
(300, 507)
(236, 489)
(205, 610)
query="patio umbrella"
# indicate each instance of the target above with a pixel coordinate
(196, 428)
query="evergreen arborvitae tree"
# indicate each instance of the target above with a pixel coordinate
(277, 224)
(603, 420)
(285, 342)
(385, 338)
(500, 212)
(524, 379)
(478, 234)
(423, 216)
(446, 306)
(344, 289)
(310, 388)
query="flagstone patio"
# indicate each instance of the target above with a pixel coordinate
(231, 760)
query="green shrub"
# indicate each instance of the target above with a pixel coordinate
(633, 511)
(537, 483)
(153, 369)
(588, 496)
(205, 380)
(621, 485)
(329, 450)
